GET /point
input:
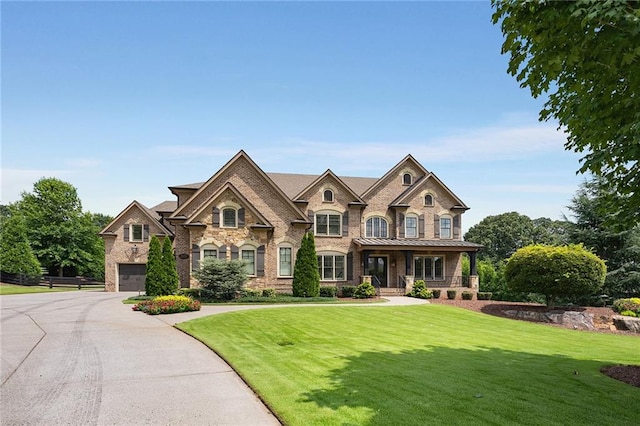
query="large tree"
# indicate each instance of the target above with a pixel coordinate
(60, 235)
(306, 278)
(619, 246)
(585, 56)
(16, 256)
(172, 281)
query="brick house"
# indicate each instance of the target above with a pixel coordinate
(390, 231)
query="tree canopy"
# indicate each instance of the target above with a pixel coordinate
(585, 55)
(16, 256)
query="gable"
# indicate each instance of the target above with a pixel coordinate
(136, 213)
(329, 181)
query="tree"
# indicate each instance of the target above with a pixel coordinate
(172, 281)
(16, 256)
(221, 280)
(567, 271)
(59, 234)
(156, 272)
(619, 246)
(503, 234)
(306, 278)
(585, 55)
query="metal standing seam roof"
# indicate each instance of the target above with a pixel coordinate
(408, 243)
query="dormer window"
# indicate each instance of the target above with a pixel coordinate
(407, 179)
(428, 200)
(327, 196)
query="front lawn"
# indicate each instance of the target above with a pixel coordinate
(23, 289)
(427, 364)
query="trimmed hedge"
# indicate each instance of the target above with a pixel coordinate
(467, 295)
(347, 291)
(451, 294)
(328, 291)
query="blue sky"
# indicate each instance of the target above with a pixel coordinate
(123, 99)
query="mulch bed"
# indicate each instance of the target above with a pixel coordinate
(602, 320)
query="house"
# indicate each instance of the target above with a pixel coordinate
(389, 231)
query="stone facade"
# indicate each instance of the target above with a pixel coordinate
(273, 212)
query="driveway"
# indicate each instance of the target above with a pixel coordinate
(84, 358)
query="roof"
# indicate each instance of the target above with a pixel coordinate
(152, 215)
(405, 244)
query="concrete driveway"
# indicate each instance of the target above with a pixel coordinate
(84, 358)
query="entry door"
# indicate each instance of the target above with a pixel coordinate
(378, 269)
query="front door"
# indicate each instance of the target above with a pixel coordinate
(377, 267)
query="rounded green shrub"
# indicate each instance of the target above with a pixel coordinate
(364, 291)
(328, 291)
(555, 271)
(436, 293)
(451, 294)
(348, 291)
(420, 290)
(467, 295)
(632, 304)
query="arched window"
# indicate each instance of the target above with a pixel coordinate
(407, 179)
(428, 200)
(377, 227)
(229, 217)
(327, 196)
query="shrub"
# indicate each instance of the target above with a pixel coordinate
(306, 278)
(167, 305)
(555, 272)
(250, 292)
(221, 280)
(171, 281)
(16, 255)
(193, 293)
(364, 291)
(348, 291)
(484, 295)
(328, 291)
(153, 283)
(420, 290)
(451, 294)
(269, 292)
(436, 293)
(628, 313)
(632, 304)
(467, 295)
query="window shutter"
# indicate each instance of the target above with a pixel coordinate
(216, 217)
(436, 226)
(401, 225)
(421, 226)
(145, 232)
(260, 261)
(345, 224)
(234, 252)
(222, 253)
(126, 232)
(195, 257)
(456, 226)
(240, 217)
(350, 266)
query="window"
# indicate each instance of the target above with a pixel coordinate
(377, 227)
(249, 258)
(411, 226)
(136, 233)
(445, 227)
(428, 200)
(209, 251)
(428, 268)
(285, 262)
(331, 267)
(328, 224)
(327, 196)
(407, 179)
(229, 218)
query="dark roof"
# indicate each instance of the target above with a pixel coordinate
(165, 207)
(402, 244)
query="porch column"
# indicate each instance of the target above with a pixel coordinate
(472, 262)
(365, 259)
(408, 254)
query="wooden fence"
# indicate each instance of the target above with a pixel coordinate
(50, 281)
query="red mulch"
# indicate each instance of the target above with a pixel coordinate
(602, 320)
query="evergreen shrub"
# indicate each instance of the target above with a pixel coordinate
(328, 291)
(451, 294)
(420, 290)
(348, 291)
(467, 295)
(364, 291)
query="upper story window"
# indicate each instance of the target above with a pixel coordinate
(428, 200)
(445, 227)
(411, 226)
(377, 227)
(327, 196)
(229, 217)
(136, 233)
(329, 224)
(407, 179)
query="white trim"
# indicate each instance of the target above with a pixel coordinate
(412, 216)
(327, 213)
(289, 246)
(367, 235)
(450, 219)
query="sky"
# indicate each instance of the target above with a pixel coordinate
(124, 99)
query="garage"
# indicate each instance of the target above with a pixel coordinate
(131, 277)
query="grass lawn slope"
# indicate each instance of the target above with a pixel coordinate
(427, 364)
(21, 289)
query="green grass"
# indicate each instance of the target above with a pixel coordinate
(23, 289)
(428, 364)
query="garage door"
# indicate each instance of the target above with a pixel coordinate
(131, 277)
